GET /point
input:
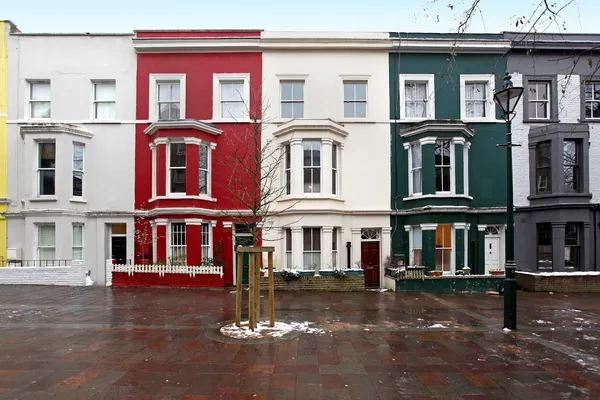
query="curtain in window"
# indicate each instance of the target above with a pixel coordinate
(46, 242)
(417, 245)
(232, 100)
(77, 242)
(105, 97)
(40, 100)
(416, 96)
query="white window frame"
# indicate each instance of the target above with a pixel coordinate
(411, 243)
(39, 169)
(208, 170)
(81, 171)
(94, 101)
(172, 246)
(429, 80)
(312, 251)
(38, 227)
(168, 188)
(288, 239)
(532, 98)
(452, 167)
(287, 168)
(224, 78)
(411, 191)
(155, 79)
(490, 110)
(206, 245)
(335, 252)
(29, 102)
(312, 167)
(355, 100)
(73, 246)
(335, 170)
(303, 101)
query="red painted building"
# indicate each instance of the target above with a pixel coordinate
(195, 92)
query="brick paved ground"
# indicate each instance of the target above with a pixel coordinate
(72, 343)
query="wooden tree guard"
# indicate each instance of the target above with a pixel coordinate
(254, 259)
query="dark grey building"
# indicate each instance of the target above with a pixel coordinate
(557, 167)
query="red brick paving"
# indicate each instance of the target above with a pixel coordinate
(121, 343)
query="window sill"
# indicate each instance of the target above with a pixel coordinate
(310, 197)
(356, 120)
(438, 196)
(231, 120)
(589, 120)
(541, 121)
(43, 198)
(78, 200)
(182, 197)
(483, 121)
(413, 120)
(557, 195)
(101, 121)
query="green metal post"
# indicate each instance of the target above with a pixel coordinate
(510, 282)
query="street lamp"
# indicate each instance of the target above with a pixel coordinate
(507, 100)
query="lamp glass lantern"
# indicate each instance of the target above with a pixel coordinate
(508, 98)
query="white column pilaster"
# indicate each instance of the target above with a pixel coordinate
(296, 160)
(297, 262)
(355, 247)
(326, 162)
(326, 248)
(386, 248)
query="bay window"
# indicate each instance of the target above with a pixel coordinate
(443, 167)
(311, 248)
(178, 244)
(47, 168)
(177, 170)
(312, 166)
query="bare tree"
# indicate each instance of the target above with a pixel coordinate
(255, 165)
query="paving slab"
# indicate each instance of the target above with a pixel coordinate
(117, 343)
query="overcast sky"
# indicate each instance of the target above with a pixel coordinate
(337, 15)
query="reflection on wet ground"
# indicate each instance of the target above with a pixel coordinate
(73, 343)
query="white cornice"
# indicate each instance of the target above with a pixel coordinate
(425, 45)
(433, 126)
(182, 124)
(55, 128)
(195, 211)
(196, 45)
(70, 213)
(297, 125)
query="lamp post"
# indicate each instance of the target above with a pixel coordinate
(507, 100)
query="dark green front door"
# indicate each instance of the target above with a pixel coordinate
(243, 241)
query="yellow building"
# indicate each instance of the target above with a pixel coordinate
(5, 28)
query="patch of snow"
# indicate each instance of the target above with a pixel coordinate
(506, 330)
(586, 337)
(578, 319)
(378, 290)
(541, 321)
(573, 310)
(89, 281)
(437, 326)
(552, 329)
(263, 330)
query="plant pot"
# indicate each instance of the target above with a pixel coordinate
(497, 273)
(435, 273)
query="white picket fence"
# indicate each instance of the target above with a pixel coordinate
(161, 270)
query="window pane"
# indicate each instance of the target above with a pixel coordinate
(168, 92)
(442, 259)
(542, 110)
(105, 111)
(306, 237)
(105, 91)
(77, 253)
(316, 239)
(40, 92)
(417, 237)
(47, 253)
(361, 91)
(298, 88)
(348, 92)
(77, 183)
(287, 110)
(204, 157)
(543, 154)
(46, 235)
(286, 91)
(334, 182)
(334, 156)
(288, 239)
(78, 156)
(415, 152)
(203, 182)
(409, 92)
(178, 181)
(77, 235)
(349, 110)
(571, 234)
(40, 110)
(298, 110)
(316, 180)
(542, 91)
(316, 153)
(360, 110)
(47, 155)
(445, 179)
(307, 152)
(443, 236)
(417, 181)
(232, 91)
(588, 91)
(47, 183)
(169, 111)
(532, 110)
(233, 110)
(177, 154)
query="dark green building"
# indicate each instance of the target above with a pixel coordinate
(448, 172)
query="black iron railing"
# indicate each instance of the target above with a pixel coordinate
(35, 263)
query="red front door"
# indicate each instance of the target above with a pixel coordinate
(369, 258)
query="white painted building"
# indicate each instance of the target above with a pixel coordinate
(71, 149)
(328, 112)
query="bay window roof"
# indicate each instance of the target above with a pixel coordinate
(182, 124)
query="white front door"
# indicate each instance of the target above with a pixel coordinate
(492, 253)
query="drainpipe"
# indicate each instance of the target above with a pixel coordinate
(596, 226)
(348, 246)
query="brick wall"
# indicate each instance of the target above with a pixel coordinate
(319, 283)
(141, 279)
(62, 276)
(559, 283)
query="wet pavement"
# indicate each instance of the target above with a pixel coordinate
(126, 343)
